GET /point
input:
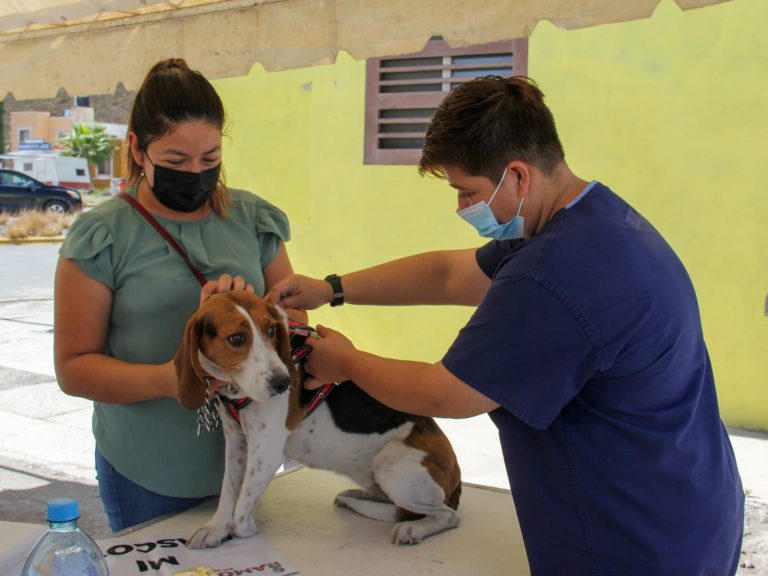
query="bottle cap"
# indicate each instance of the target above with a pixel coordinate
(63, 510)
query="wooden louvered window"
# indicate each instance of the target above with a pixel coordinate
(403, 92)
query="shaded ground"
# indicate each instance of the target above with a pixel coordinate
(27, 488)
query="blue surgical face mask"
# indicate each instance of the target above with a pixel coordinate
(481, 217)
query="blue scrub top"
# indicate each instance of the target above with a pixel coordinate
(590, 340)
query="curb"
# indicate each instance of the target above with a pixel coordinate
(33, 240)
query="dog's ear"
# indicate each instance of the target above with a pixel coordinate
(284, 344)
(295, 412)
(283, 336)
(189, 373)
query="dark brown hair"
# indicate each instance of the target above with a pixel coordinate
(172, 93)
(487, 122)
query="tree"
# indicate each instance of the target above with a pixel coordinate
(89, 142)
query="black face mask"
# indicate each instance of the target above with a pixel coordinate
(184, 191)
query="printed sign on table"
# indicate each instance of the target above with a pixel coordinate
(166, 554)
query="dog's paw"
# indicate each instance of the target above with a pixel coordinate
(407, 533)
(208, 537)
(245, 527)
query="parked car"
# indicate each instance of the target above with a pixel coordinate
(21, 192)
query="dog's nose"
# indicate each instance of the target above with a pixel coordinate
(279, 383)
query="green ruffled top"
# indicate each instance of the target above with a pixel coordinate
(154, 443)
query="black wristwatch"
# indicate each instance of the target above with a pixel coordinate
(338, 291)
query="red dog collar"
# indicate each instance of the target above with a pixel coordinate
(300, 333)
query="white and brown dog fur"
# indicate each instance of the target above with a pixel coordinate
(404, 464)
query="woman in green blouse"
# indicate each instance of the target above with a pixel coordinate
(123, 295)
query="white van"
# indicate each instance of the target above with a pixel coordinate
(51, 169)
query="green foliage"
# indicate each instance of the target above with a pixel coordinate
(89, 142)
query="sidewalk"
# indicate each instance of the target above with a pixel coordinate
(46, 445)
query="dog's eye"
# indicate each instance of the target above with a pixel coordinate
(271, 331)
(237, 340)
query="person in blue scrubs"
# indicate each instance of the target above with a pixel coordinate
(586, 350)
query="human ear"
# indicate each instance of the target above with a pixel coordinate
(136, 152)
(520, 173)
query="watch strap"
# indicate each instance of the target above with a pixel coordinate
(338, 292)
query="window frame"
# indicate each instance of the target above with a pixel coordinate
(376, 101)
(109, 165)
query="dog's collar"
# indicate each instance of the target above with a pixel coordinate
(319, 398)
(234, 405)
(299, 334)
(208, 414)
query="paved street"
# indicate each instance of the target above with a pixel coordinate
(46, 447)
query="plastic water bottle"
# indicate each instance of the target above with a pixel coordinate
(64, 549)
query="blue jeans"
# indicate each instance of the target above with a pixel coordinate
(128, 504)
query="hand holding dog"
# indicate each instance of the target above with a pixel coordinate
(326, 362)
(225, 283)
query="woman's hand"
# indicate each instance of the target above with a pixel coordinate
(225, 283)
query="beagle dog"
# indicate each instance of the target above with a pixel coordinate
(404, 464)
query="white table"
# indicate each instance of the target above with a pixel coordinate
(297, 515)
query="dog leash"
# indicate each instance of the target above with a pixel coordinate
(208, 414)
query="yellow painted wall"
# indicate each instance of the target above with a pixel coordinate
(35, 122)
(671, 112)
(296, 138)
